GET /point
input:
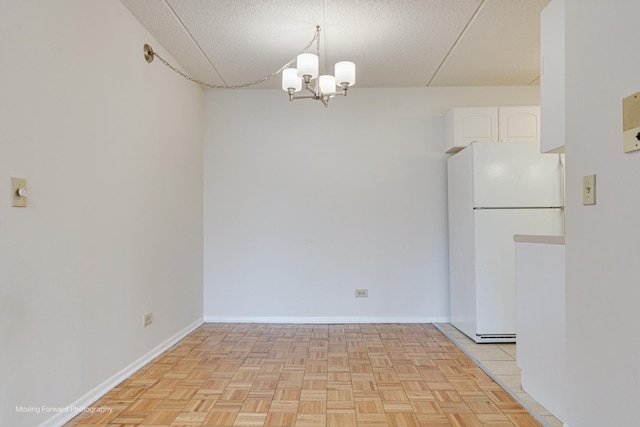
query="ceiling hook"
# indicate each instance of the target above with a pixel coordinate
(148, 53)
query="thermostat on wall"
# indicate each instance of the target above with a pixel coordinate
(631, 122)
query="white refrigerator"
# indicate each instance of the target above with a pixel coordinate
(496, 190)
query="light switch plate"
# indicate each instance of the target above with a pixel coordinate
(18, 201)
(631, 122)
(589, 190)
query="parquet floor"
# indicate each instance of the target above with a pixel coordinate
(310, 375)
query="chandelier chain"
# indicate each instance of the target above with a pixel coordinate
(316, 38)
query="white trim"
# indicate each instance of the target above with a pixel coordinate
(100, 390)
(324, 320)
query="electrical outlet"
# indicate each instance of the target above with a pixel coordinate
(147, 319)
(362, 293)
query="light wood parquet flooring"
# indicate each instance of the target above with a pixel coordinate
(310, 375)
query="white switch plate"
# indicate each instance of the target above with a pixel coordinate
(589, 190)
(18, 201)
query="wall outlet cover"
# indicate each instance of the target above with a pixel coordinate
(147, 319)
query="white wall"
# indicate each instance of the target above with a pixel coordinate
(304, 204)
(603, 241)
(111, 148)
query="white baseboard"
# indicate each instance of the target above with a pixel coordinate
(63, 416)
(324, 320)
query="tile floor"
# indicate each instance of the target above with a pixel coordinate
(499, 362)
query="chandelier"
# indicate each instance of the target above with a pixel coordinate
(293, 79)
(325, 86)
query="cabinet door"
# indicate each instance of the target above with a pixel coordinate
(495, 261)
(467, 125)
(519, 124)
(552, 77)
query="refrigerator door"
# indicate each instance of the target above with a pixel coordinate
(515, 174)
(495, 262)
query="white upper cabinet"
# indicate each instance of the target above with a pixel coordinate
(519, 124)
(466, 125)
(494, 124)
(552, 79)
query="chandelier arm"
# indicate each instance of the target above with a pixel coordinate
(149, 54)
(304, 97)
(315, 94)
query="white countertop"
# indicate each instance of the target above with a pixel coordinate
(548, 240)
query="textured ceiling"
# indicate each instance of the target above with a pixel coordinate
(394, 43)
